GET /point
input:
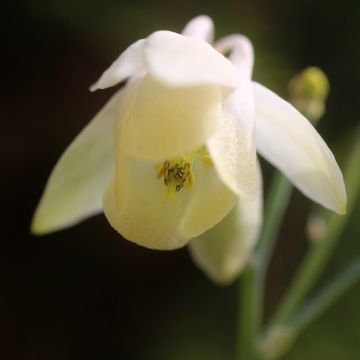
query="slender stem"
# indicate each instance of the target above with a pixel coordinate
(276, 205)
(316, 306)
(280, 337)
(320, 252)
(253, 278)
(247, 315)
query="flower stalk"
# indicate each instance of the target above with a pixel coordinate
(320, 251)
(293, 314)
(253, 278)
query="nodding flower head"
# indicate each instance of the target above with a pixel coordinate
(173, 152)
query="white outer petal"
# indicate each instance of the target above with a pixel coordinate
(288, 140)
(242, 52)
(179, 60)
(76, 185)
(223, 251)
(174, 59)
(232, 147)
(200, 27)
(129, 63)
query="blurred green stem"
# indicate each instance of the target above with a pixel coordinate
(319, 253)
(276, 204)
(280, 337)
(248, 317)
(326, 297)
(253, 278)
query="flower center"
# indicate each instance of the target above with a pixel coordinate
(178, 174)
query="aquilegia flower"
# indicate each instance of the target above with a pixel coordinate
(174, 150)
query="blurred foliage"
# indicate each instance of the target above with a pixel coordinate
(86, 293)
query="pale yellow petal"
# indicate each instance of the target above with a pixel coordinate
(137, 207)
(212, 200)
(223, 251)
(158, 122)
(76, 185)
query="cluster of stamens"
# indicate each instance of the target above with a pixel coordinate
(177, 173)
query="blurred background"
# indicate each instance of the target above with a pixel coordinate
(85, 293)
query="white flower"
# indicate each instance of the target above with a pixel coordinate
(175, 149)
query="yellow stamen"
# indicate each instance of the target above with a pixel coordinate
(178, 173)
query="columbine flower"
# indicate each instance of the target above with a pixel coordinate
(174, 150)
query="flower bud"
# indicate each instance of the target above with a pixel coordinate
(308, 92)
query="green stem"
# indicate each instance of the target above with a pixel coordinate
(247, 315)
(253, 278)
(280, 337)
(276, 205)
(315, 307)
(320, 252)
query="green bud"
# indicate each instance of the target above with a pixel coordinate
(308, 92)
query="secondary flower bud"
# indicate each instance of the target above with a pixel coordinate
(308, 92)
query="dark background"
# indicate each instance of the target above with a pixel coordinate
(85, 293)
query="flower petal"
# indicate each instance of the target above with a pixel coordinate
(179, 60)
(287, 140)
(158, 122)
(212, 200)
(136, 206)
(242, 52)
(223, 251)
(76, 185)
(201, 27)
(233, 147)
(129, 63)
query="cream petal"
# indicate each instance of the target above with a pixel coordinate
(179, 60)
(212, 200)
(223, 251)
(137, 207)
(201, 27)
(76, 185)
(233, 147)
(129, 63)
(158, 122)
(287, 140)
(241, 52)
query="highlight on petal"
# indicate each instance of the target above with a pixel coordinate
(158, 122)
(223, 251)
(201, 27)
(76, 185)
(287, 140)
(179, 60)
(241, 52)
(129, 63)
(232, 147)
